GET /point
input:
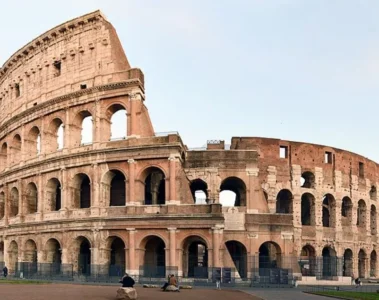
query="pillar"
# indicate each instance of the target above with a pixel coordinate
(172, 178)
(132, 250)
(66, 141)
(96, 123)
(172, 245)
(132, 196)
(133, 130)
(95, 191)
(6, 205)
(216, 231)
(65, 195)
(253, 196)
(40, 197)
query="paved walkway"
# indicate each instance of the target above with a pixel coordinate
(283, 294)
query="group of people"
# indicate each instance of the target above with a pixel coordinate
(128, 282)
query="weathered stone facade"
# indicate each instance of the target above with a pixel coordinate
(132, 201)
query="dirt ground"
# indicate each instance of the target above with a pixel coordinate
(82, 292)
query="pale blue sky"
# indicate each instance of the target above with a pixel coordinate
(298, 70)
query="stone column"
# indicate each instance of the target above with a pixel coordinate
(134, 130)
(172, 179)
(297, 210)
(97, 123)
(40, 197)
(132, 250)
(65, 188)
(6, 205)
(42, 149)
(172, 258)
(271, 180)
(132, 195)
(95, 191)
(66, 141)
(21, 196)
(23, 150)
(253, 195)
(216, 231)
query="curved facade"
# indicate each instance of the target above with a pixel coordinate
(72, 194)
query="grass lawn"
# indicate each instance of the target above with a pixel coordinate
(350, 295)
(22, 281)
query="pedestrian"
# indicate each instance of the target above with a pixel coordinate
(5, 271)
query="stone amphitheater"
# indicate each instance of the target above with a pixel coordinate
(147, 204)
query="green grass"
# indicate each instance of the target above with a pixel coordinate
(350, 295)
(22, 281)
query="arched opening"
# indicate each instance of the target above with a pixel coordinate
(373, 219)
(361, 214)
(33, 142)
(308, 213)
(53, 194)
(155, 190)
(269, 258)
(195, 257)
(2, 205)
(4, 156)
(373, 193)
(14, 200)
(362, 263)
(199, 190)
(12, 257)
(16, 149)
(238, 254)
(373, 264)
(328, 211)
(308, 180)
(118, 122)
(29, 264)
(31, 204)
(346, 211)
(82, 191)
(236, 189)
(154, 257)
(114, 187)
(84, 256)
(284, 202)
(56, 135)
(53, 256)
(348, 263)
(2, 253)
(308, 261)
(117, 259)
(329, 263)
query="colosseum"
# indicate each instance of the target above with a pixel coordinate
(92, 204)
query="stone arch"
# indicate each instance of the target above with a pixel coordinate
(373, 220)
(195, 257)
(329, 262)
(117, 259)
(199, 191)
(362, 258)
(4, 155)
(12, 256)
(56, 135)
(82, 191)
(373, 264)
(30, 251)
(1, 251)
(2, 205)
(82, 129)
(346, 211)
(117, 119)
(238, 253)
(308, 180)
(308, 260)
(53, 251)
(284, 202)
(329, 211)
(154, 180)
(31, 197)
(16, 149)
(82, 255)
(53, 195)
(308, 211)
(269, 257)
(373, 193)
(14, 201)
(113, 185)
(33, 142)
(233, 188)
(361, 214)
(154, 256)
(348, 263)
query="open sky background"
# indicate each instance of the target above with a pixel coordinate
(297, 70)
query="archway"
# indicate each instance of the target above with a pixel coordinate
(373, 193)
(14, 202)
(361, 214)
(329, 263)
(33, 142)
(308, 261)
(82, 191)
(114, 186)
(16, 149)
(154, 257)
(236, 189)
(269, 258)
(53, 193)
(308, 180)
(84, 256)
(118, 122)
(284, 202)
(4, 155)
(29, 265)
(195, 257)
(328, 211)
(199, 191)
(155, 190)
(13, 257)
(2, 205)
(31, 204)
(348, 263)
(55, 134)
(373, 259)
(2, 254)
(308, 214)
(117, 259)
(373, 219)
(238, 254)
(87, 130)
(346, 211)
(53, 256)
(362, 257)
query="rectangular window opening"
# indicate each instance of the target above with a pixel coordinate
(361, 169)
(328, 157)
(18, 91)
(283, 152)
(83, 86)
(57, 68)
